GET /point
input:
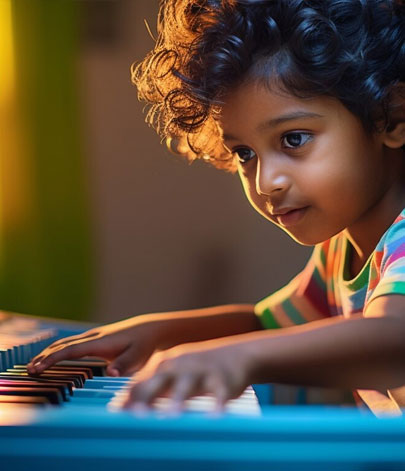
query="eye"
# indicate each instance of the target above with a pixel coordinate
(293, 140)
(244, 154)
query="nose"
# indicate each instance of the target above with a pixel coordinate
(271, 178)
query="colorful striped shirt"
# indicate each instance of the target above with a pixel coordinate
(325, 289)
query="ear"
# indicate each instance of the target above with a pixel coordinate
(394, 134)
(395, 138)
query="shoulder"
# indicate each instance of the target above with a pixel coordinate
(387, 269)
(391, 246)
(395, 232)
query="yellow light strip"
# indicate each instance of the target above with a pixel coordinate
(7, 96)
(7, 79)
(7, 102)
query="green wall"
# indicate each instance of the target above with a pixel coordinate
(45, 233)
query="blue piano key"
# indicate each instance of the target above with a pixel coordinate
(92, 393)
(21, 351)
(100, 402)
(39, 346)
(25, 353)
(123, 379)
(14, 353)
(98, 384)
(36, 348)
(32, 353)
(9, 361)
(17, 354)
(264, 393)
(3, 359)
(12, 356)
(33, 350)
(20, 354)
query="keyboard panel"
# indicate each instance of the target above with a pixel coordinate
(86, 432)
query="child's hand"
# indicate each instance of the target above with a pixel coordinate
(128, 344)
(189, 370)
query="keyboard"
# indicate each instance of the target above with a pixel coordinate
(77, 426)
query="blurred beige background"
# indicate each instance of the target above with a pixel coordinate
(167, 235)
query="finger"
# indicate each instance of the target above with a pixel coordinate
(183, 389)
(68, 340)
(31, 366)
(143, 393)
(222, 396)
(124, 364)
(216, 386)
(77, 350)
(38, 358)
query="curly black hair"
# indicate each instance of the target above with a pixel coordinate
(353, 50)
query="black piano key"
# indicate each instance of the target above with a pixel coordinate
(85, 372)
(98, 366)
(77, 379)
(52, 395)
(79, 367)
(68, 386)
(35, 384)
(78, 375)
(24, 376)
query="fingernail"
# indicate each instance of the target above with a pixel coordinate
(174, 411)
(217, 411)
(114, 372)
(139, 409)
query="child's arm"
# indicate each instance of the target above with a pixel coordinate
(129, 343)
(360, 352)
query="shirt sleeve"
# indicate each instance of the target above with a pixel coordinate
(387, 270)
(302, 300)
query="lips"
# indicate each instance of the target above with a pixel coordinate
(287, 217)
(281, 211)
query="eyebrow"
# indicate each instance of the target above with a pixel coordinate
(271, 123)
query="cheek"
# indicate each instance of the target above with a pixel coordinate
(342, 190)
(330, 178)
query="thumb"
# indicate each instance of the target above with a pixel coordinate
(124, 364)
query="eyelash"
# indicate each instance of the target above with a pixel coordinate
(308, 135)
(308, 138)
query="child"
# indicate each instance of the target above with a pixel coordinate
(305, 99)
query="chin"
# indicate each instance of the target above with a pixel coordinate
(307, 240)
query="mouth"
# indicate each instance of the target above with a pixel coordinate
(291, 217)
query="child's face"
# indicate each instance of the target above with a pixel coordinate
(308, 166)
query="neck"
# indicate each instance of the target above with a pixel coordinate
(366, 233)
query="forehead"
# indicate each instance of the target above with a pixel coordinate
(252, 104)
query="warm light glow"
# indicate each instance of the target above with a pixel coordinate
(7, 79)
(14, 187)
(16, 414)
